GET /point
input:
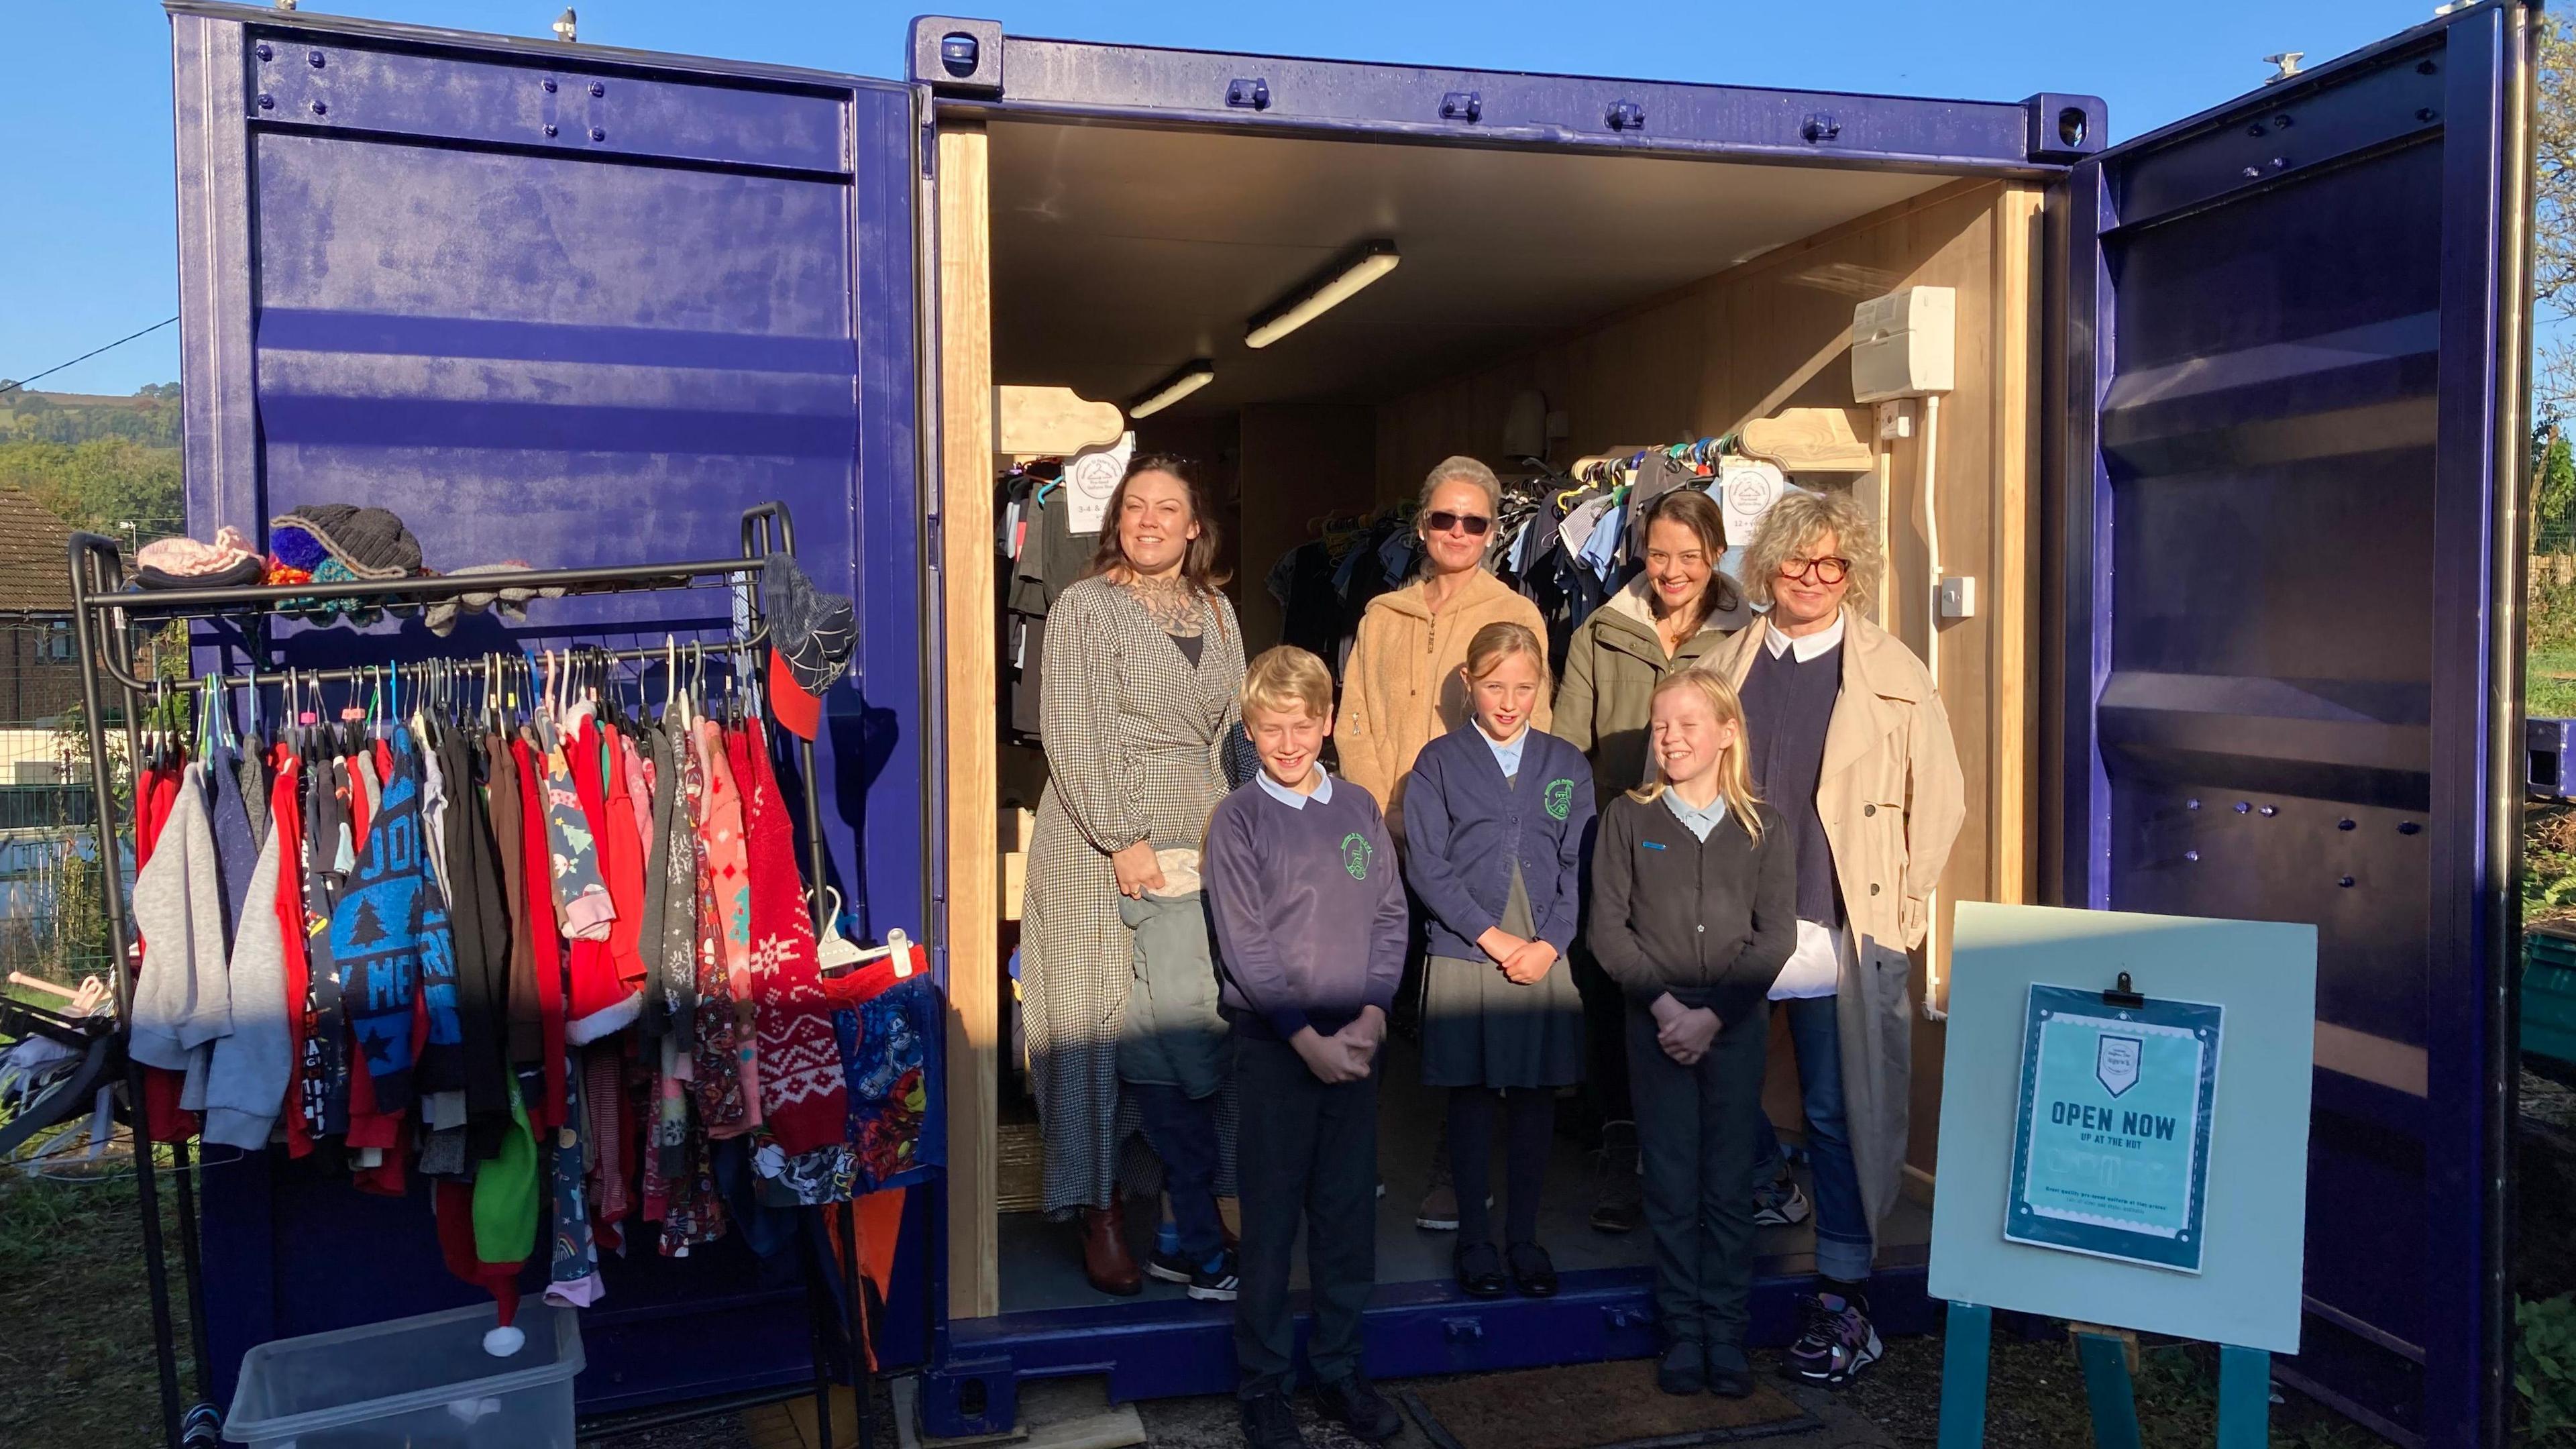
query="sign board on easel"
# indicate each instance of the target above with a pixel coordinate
(2124, 1141)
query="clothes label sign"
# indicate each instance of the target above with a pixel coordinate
(2111, 1151)
(1090, 476)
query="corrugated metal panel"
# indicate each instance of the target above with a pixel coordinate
(2286, 490)
(574, 307)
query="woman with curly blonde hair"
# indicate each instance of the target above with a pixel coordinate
(1850, 743)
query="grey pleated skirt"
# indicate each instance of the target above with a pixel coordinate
(1482, 1029)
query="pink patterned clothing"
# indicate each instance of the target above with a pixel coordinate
(727, 871)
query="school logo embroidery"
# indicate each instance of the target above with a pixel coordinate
(1560, 798)
(1356, 853)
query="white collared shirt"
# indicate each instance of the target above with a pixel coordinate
(1806, 647)
(1507, 753)
(1322, 793)
(1695, 820)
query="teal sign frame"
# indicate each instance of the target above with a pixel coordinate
(2111, 1140)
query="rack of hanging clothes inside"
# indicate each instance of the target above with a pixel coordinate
(512, 924)
(1038, 556)
(1566, 538)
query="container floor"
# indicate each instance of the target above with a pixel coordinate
(1042, 1261)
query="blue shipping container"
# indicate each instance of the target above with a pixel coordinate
(581, 305)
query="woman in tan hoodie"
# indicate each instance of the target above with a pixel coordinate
(1401, 687)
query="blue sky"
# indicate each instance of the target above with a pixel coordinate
(87, 239)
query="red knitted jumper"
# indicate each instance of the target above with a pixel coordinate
(801, 1087)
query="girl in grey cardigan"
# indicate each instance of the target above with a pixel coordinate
(1694, 910)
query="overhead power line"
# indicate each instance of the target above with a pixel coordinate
(21, 383)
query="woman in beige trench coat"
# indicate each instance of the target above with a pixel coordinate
(1849, 742)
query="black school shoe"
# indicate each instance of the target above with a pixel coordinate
(1533, 1272)
(1360, 1408)
(1684, 1369)
(1730, 1373)
(1270, 1423)
(1480, 1271)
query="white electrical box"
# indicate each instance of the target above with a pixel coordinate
(1958, 598)
(1905, 344)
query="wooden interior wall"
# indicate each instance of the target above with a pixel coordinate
(1773, 333)
(1299, 462)
(967, 599)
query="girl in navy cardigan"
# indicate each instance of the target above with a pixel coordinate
(1498, 817)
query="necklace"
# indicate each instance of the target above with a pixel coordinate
(1171, 602)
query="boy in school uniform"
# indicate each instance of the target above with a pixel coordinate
(1310, 915)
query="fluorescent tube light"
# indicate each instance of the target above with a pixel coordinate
(1172, 389)
(1323, 292)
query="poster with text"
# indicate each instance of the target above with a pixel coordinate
(2111, 1149)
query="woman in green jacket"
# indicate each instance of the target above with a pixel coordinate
(1666, 619)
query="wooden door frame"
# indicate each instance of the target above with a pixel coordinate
(970, 759)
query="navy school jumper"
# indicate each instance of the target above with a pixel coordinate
(1464, 829)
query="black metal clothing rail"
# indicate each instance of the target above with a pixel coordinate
(103, 612)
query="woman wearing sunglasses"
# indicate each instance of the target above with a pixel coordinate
(1850, 744)
(1401, 688)
(1404, 686)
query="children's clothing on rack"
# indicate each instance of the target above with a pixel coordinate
(535, 941)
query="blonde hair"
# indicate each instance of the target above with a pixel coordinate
(1286, 678)
(1501, 640)
(1795, 524)
(1734, 776)
(1463, 469)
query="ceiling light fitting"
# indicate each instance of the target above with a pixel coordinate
(1172, 389)
(1321, 293)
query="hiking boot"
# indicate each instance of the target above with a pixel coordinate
(1360, 1408)
(1439, 1209)
(1780, 1204)
(1618, 1203)
(1684, 1369)
(1269, 1423)
(1838, 1342)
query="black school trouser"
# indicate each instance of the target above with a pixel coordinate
(1698, 1128)
(1302, 1149)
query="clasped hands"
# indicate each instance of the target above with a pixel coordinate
(1684, 1032)
(1346, 1055)
(1524, 962)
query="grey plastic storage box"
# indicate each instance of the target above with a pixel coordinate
(423, 1382)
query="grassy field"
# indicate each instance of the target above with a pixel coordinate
(2549, 690)
(75, 1321)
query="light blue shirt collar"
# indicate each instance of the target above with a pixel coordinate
(1506, 754)
(1323, 790)
(1698, 822)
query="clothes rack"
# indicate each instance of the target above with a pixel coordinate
(104, 617)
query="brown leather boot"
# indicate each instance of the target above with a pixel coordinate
(1105, 1259)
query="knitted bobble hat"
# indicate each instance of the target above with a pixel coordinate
(371, 542)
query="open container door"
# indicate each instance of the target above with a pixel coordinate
(576, 306)
(2290, 578)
